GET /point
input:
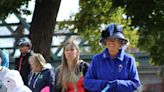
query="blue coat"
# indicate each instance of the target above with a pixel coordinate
(120, 73)
(42, 79)
(5, 58)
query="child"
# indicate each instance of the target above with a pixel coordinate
(14, 83)
(3, 71)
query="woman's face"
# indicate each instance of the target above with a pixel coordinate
(113, 44)
(70, 52)
(34, 65)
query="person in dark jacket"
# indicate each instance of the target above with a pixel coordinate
(22, 63)
(112, 70)
(42, 76)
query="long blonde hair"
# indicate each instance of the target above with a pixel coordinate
(64, 73)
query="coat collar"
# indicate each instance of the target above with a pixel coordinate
(119, 56)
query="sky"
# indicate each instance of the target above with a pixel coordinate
(65, 10)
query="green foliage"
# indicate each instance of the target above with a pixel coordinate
(92, 15)
(10, 6)
(131, 34)
(148, 16)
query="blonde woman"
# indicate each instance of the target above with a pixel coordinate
(70, 74)
(42, 74)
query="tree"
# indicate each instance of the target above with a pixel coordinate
(43, 22)
(10, 6)
(148, 16)
(92, 15)
(42, 27)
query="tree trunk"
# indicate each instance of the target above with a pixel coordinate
(42, 26)
(162, 77)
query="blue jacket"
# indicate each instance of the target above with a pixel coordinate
(120, 73)
(42, 79)
(5, 58)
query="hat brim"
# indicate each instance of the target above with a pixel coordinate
(124, 41)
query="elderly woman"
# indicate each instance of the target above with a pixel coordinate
(112, 70)
(70, 74)
(42, 74)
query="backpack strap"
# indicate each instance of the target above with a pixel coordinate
(84, 67)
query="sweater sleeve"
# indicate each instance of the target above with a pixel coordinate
(91, 83)
(52, 80)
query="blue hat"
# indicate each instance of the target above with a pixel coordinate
(113, 31)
